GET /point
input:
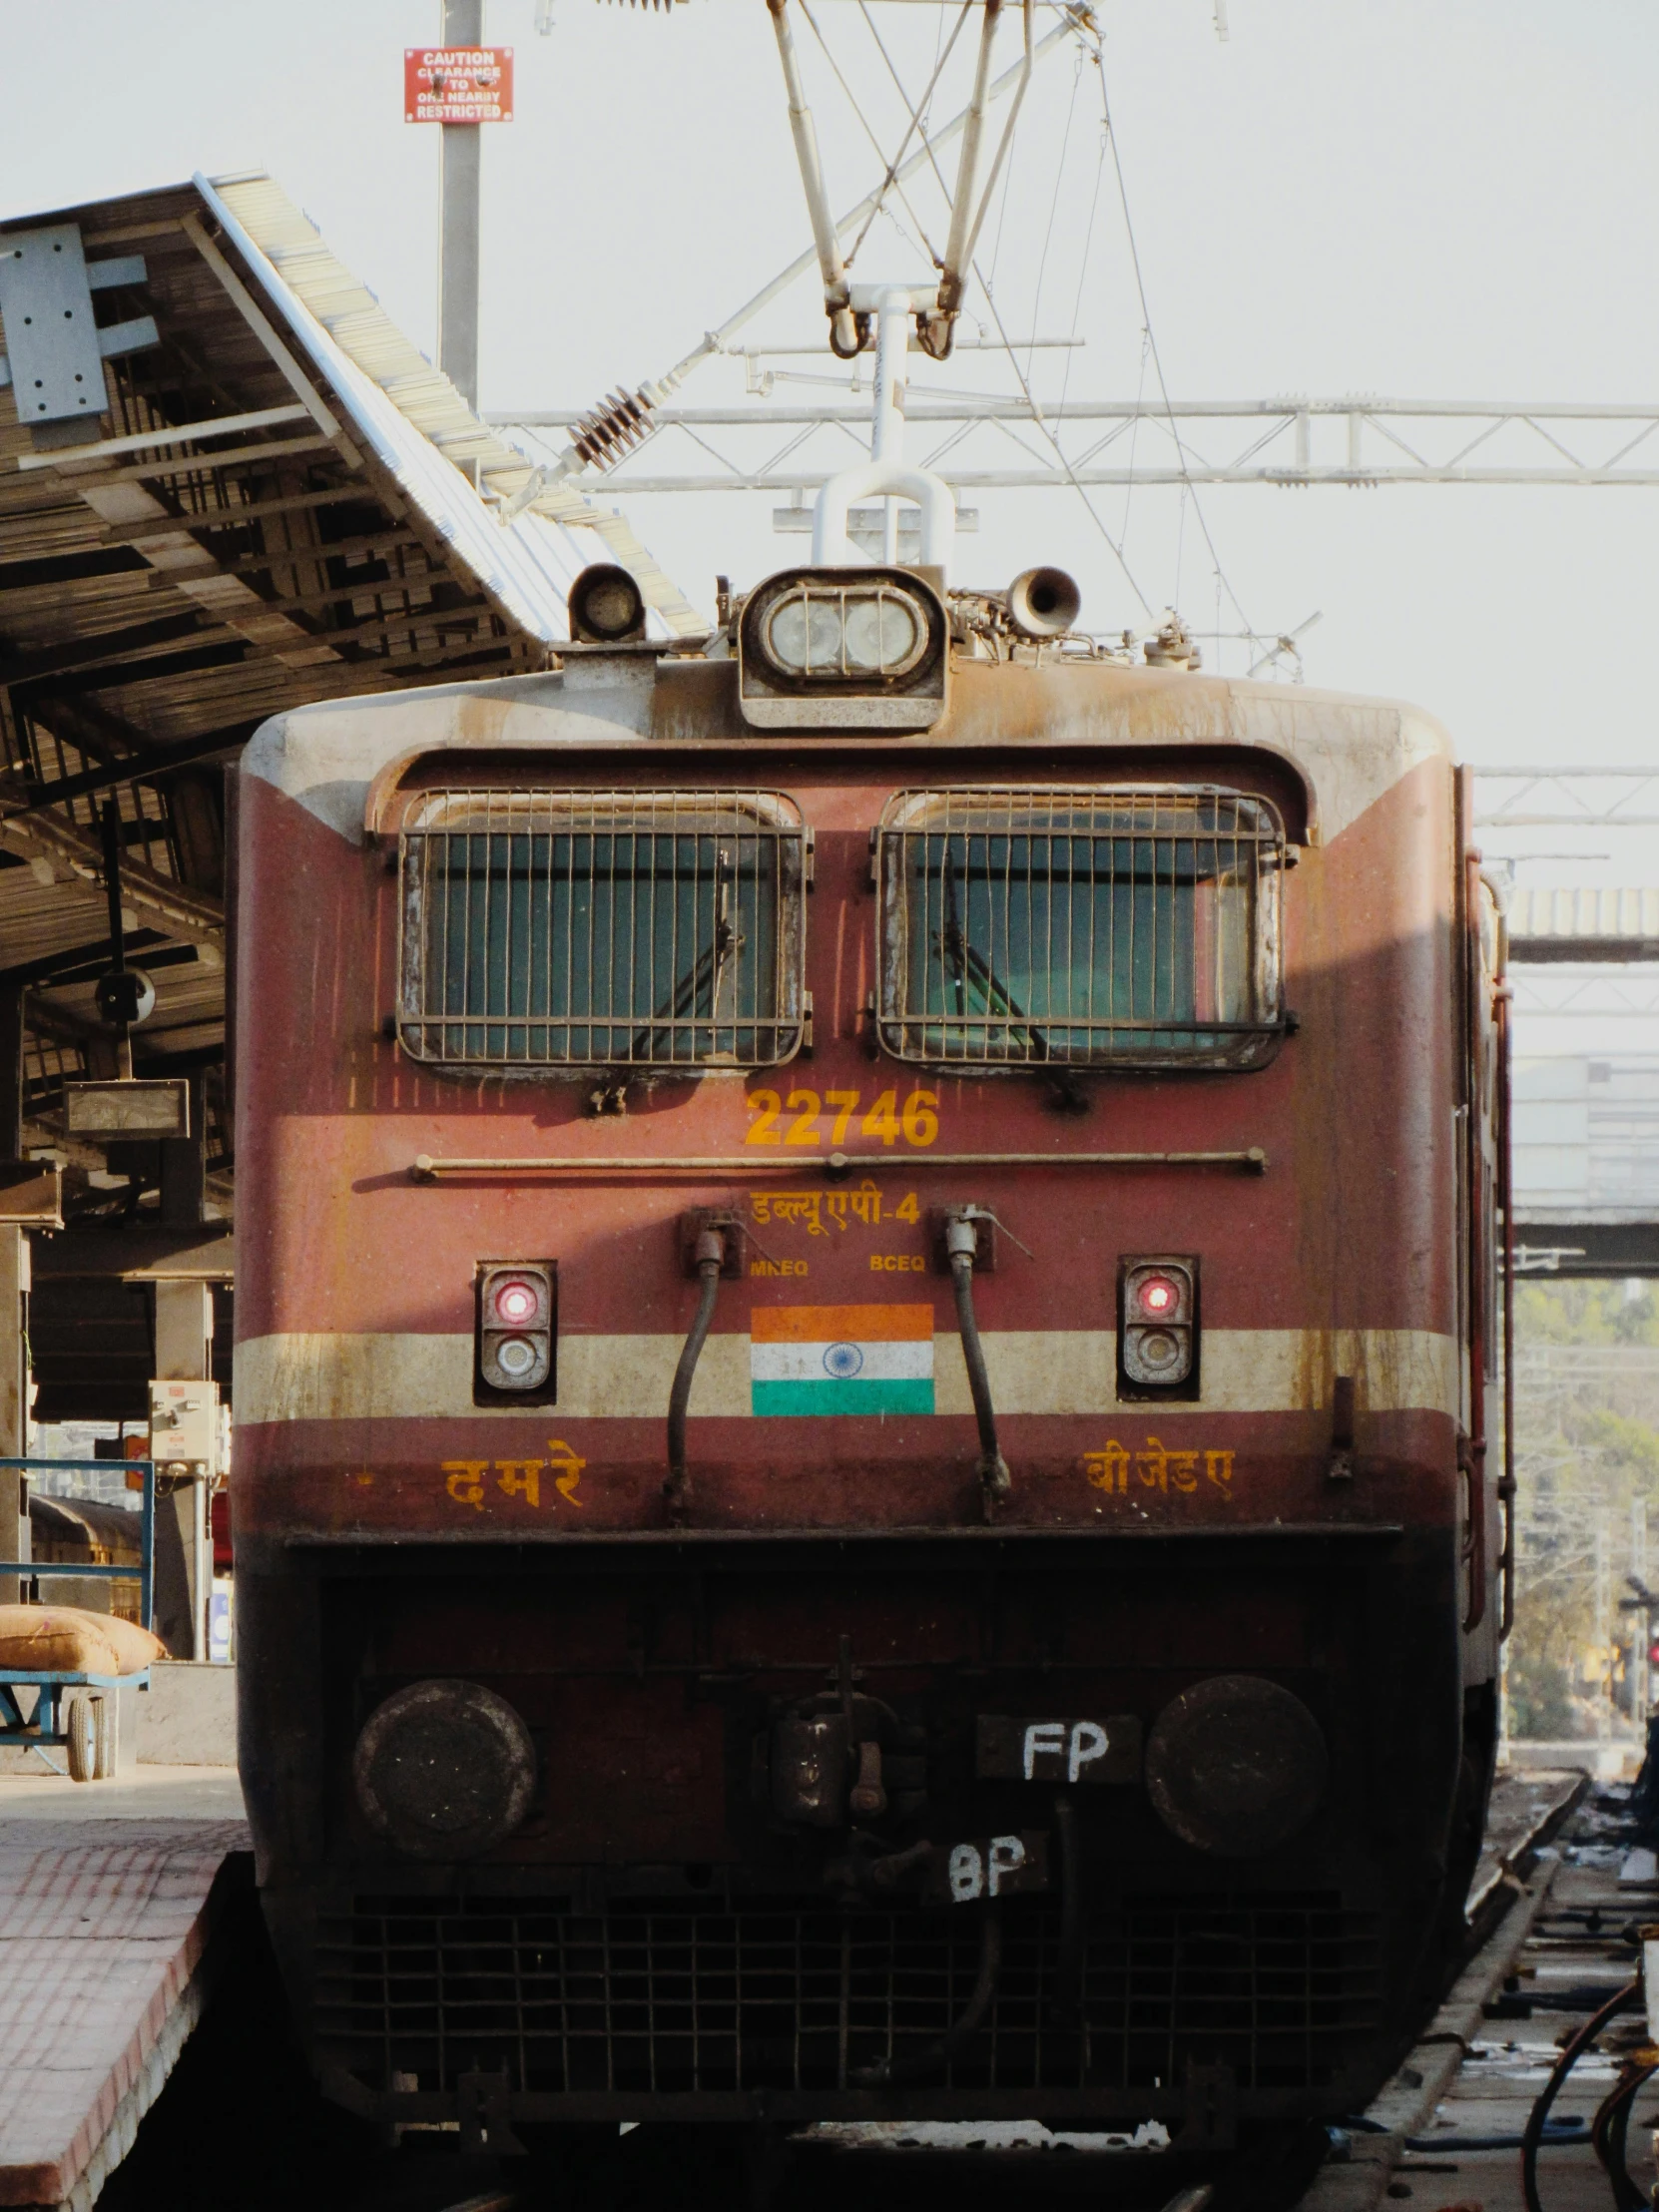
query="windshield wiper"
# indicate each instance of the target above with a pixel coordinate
(970, 965)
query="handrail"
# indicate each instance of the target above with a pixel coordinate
(85, 1572)
(426, 1168)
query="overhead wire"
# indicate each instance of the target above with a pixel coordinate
(1053, 211)
(1014, 360)
(1099, 57)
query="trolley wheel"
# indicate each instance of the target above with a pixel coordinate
(103, 1736)
(81, 1731)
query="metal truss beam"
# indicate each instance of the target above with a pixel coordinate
(1566, 798)
(1584, 993)
(989, 443)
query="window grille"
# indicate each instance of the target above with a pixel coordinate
(602, 928)
(1122, 928)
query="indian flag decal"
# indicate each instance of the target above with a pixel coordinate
(841, 1360)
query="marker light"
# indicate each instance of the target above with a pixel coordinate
(515, 1330)
(517, 1302)
(1157, 1326)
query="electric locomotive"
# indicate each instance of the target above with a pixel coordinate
(868, 1303)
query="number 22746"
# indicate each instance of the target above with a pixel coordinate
(800, 1117)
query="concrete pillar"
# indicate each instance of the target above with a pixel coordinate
(184, 1553)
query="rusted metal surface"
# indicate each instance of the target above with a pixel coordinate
(757, 1644)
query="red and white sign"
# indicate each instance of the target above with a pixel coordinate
(457, 84)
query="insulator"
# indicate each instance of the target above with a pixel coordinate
(614, 429)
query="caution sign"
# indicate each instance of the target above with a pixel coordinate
(457, 84)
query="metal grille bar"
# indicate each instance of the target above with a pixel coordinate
(1111, 926)
(710, 1998)
(602, 928)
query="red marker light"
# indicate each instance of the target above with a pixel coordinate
(1158, 1296)
(517, 1303)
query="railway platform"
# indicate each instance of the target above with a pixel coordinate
(109, 1903)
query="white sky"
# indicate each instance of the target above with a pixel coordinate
(1431, 198)
(1428, 197)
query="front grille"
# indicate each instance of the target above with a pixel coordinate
(602, 928)
(661, 1998)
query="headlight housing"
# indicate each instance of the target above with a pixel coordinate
(839, 648)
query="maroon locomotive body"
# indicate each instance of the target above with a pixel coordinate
(866, 1302)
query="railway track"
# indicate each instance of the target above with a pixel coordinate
(240, 2126)
(1447, 2131)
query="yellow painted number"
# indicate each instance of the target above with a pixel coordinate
(769, 1106)
(921, 1120)
(881, 1121)
(803, 1128)
(916, 1121)
(847, 1102)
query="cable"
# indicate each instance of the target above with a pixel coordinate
(1151, 340)
(1572, 2053)
(961, 2031)
(710, 1257)
(1053, 210)
(1060, 454)
(1610, 2126)
(961, 1245)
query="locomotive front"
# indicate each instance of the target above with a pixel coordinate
(864, 1316)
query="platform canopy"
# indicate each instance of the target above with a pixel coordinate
(228, 484)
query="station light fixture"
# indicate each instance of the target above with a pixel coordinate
(1157, 1326)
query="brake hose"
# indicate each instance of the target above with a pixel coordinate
(960, 1242)
(1572, 2053)
(1611, 2126)
(961, 2031)
(710, 1258)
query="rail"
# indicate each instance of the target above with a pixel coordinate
(424, 1167)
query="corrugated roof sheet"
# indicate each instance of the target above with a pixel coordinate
(419, 424)
(1578, 911)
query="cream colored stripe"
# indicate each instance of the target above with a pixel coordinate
(1245, 1371)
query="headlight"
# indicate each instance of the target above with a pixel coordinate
(820, 632)
(843, 648)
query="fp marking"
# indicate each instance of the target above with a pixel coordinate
(1010, 1748)
(1084, 1742)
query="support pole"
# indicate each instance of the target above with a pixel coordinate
(463, 25)
(184, 1553)
(14, 1290)
(14, 1403)
(892, 369)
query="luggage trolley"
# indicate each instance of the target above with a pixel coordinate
(75, 1709)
